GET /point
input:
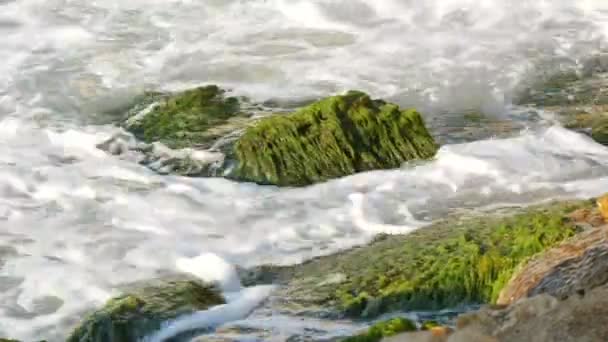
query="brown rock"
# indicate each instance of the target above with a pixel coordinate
(442, 332)
(578, 265)
(580, 318)
(602, 204)
(471, 335)
(490, 321)
(439, 334)
(589, 217)
(577, 319)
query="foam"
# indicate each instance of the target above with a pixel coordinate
(211, 268)
(237, 308)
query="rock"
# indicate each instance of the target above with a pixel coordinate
(493, 320)
(602, 205)
(579, 264)
(337, 136)
(162, 159)
(185, 119)
(599, 130)
(587, 218)
(580, 99)
(142, 310)
(384, 329)
(542, 319)
(456, 261)
(334, 137)
(429, 325)
(419, 336)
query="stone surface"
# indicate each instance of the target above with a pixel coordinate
(204, 132)
(144, 307)
(579, 318)
(337, 136)
(579, 264)
(578, 98)
(384, 329)
(455, 261)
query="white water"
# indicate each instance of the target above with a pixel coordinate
(75, 223)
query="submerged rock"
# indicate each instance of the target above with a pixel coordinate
(452, 262)
(334, 137)
(143, 309)
(579, 98)
(187, 119)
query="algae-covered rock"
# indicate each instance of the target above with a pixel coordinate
(428, 325)
(579, 100)
(143, 309)
(599, 129)
(335, 137)
(452, 262)
(384, 329)
(186, 119)
(576, 266)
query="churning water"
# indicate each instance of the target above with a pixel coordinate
(76, 223)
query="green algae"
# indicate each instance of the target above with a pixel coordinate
(337, 136)
(449, 263)
(599, 130)
(384, 329)
(331, 138)
(183, 119)
(428, 325)
(133, 315)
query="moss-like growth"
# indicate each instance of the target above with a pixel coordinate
(183, 119)
(132, 316)
(452, 262)
(428, 325)
(335, 137)
(384, 329)
(599, 130)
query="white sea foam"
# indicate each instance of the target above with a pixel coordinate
(238, 307)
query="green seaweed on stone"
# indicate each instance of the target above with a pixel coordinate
(428, 325)
(131, 316)
(182, 120)
(335, 137)
(449, 263)
(384, 329)
(599, 129)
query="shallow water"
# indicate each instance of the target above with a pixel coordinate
(76, 223)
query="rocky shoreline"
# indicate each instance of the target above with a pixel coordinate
(543, 270)
(488, 259)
